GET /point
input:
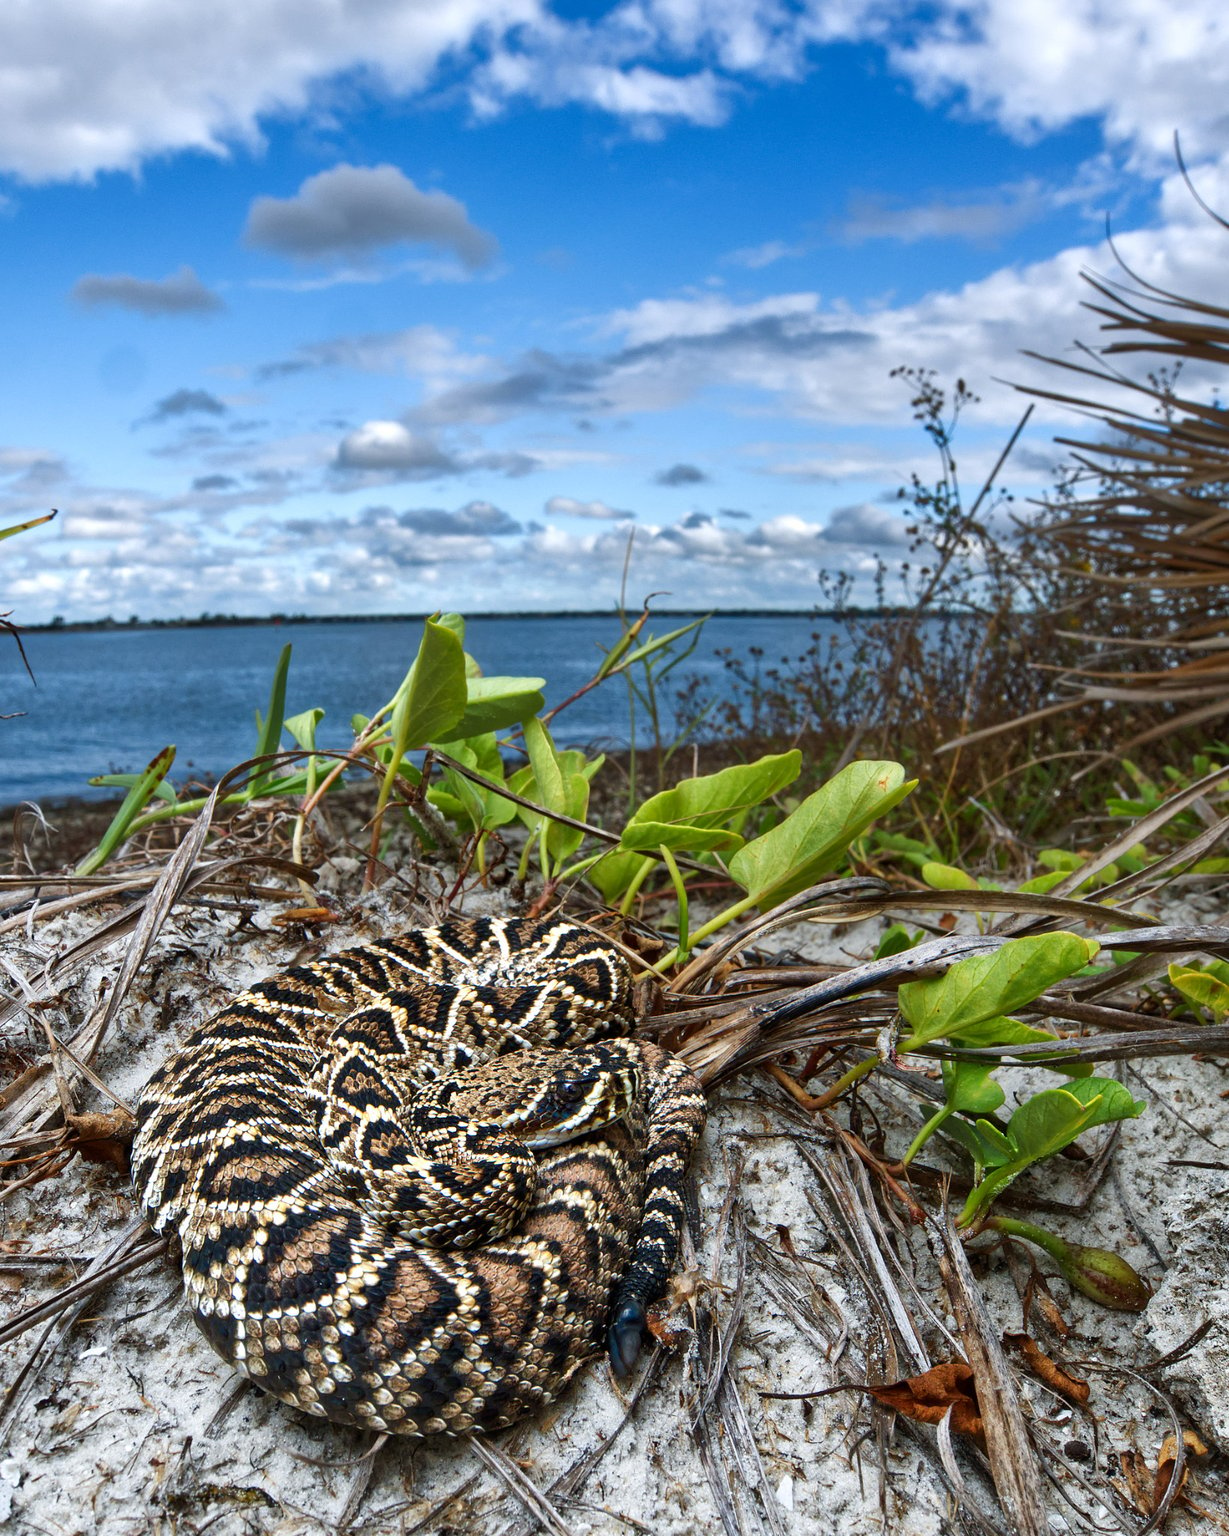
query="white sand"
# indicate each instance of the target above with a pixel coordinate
(119, 1432)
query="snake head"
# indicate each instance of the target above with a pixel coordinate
(569, 1093)
(623, 1339)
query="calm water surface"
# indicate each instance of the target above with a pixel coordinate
(107, 702)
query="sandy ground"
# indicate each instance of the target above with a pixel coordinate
(131, 1424)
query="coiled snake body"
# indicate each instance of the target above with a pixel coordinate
(344, 1154)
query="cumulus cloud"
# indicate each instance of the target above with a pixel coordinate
(83, 94)
(389, 450)
(681, 474)
(675, 347)
(566, 506)
(182, 293)
(214, 483)
(390, 445)
(476, 517)
(1140, 68)
(865, 525)
(354, 211)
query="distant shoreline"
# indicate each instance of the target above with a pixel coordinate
(284, 620)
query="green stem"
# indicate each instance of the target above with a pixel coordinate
(990, 1187)
(680, 895)
(633, 889)
(927, 1131)
(713, 924)
(854, 1075)
(1010, 1227)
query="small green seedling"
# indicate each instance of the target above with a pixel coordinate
(970, 1007)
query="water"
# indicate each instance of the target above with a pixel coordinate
(106, 702)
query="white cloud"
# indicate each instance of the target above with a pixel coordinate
(89, 86)
(567, 506)
(755, 257)
(381, 452)
(353, 211)
(1143, 68)
(389, 445)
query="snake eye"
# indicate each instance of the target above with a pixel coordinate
(571, 1090)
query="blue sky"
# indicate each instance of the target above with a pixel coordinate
(361, 305)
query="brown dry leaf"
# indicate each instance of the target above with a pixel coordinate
(306, 915)
(928, 1397)
(1037, 1294)
(104, 1138)
(1137, 1482)
(1048, 1370)
(673, 1319)
(1165, 1463)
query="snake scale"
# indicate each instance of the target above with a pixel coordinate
(418, 1182)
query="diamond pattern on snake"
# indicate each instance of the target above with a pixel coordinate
(417, 1183)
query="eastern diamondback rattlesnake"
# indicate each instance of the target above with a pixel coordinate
(342, 1154)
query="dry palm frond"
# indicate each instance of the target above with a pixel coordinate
(1147, 549)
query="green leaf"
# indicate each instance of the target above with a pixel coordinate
(970, 1089)
(1003, 1032)
(1211, 867)
(548, 773)
(895, 941)
(970, 1137)
(995, 1145)
(462, 799)
(1204, 988)
(302, 728)
(984, 986)
(563, 841)
(134, 801)
(645, 835)
(613, 873)
(714, 798)
(269, 730)
(652, 646)
(494, 703)
(1047, 1123)
(1040, 884)
(453, 622)
(162, 791)
(431, 700)
(946, 877)
(1051, 1120)
(1060, 858)
(813, 839)
(7, 533)
(561, 786)
(909, 848)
